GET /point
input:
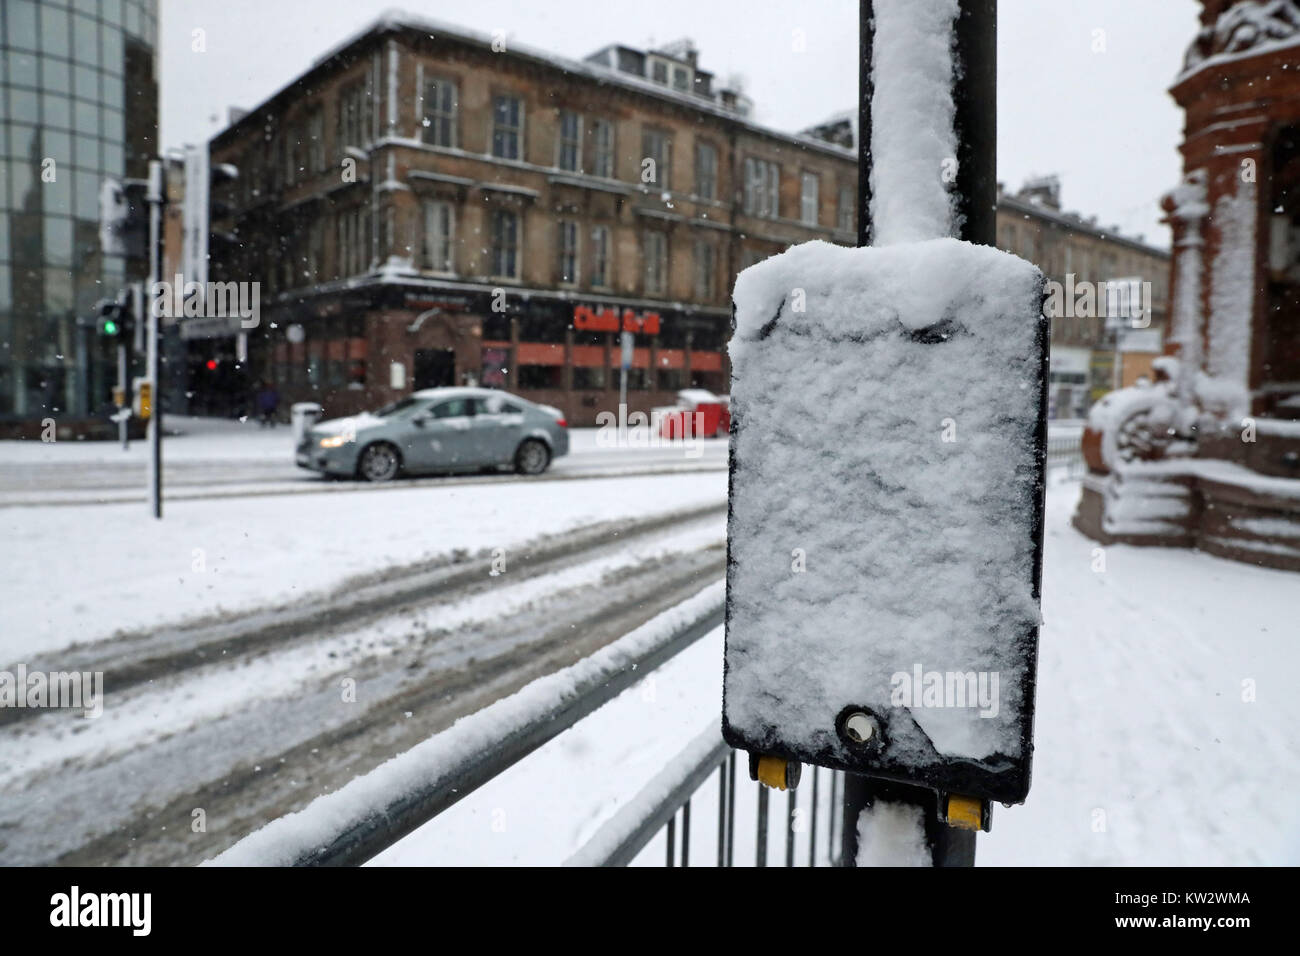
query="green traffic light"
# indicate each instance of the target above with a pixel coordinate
(110, 327)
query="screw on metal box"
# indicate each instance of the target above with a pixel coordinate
(860, 729)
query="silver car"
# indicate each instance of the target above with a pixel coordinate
(438, 430)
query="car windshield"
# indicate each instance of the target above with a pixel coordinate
(396, 408)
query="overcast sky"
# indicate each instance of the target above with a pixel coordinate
(1101, 120)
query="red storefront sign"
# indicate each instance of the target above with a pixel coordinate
(608, 320)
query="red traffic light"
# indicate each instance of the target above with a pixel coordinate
(212, 365)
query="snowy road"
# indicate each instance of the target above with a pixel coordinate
(219, 458)
(237, 720)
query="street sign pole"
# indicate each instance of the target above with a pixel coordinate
(975, 102)
(123, 378)
(153, 332)
(626, 343)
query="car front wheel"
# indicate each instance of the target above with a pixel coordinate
(379, 462)
(532, 457)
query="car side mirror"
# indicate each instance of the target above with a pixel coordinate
(420, 420)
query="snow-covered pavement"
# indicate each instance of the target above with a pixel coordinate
(1166, 718)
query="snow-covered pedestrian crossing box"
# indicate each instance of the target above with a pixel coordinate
(885, 528)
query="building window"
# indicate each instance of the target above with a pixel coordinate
(505, 244)
(659, 71)
(495, 370)
(706, 171)
(588, 377)
(354, 116)
(507, 126)
(541, 328)
(313, 264)
(705, 270)
(600, 257)
(809, 190)
(602, 142)
(354, 241)
(439, 227)
(568, 247)
(292, 141)
(762, 185)
(441, 100)
(316, 140)
(844, 209)
(570, 158)
(657, 148)
(539, 376)
(656, 263)
(681, 79)
(671, 379)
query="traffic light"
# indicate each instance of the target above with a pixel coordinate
(113, 320)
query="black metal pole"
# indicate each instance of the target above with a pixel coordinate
(975, 105)
(866, 30)
(948, 846)
(157, 196)
(123, 379)
(975, 98)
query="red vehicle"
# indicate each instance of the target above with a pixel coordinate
(681, 421)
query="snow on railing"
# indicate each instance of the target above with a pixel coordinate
(1065, 451)
(624, 835)
(811, 823)
(374, 811)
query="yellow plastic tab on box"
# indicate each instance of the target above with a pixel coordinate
(965, 813)
(771, 772)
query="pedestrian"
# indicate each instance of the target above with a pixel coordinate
(268, 400)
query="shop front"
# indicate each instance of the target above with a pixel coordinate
(359, 349)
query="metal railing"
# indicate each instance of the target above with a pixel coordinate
(665, 806)
(1066, 452)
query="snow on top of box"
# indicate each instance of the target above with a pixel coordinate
(861, 292)
(913, 139)
(887, 402)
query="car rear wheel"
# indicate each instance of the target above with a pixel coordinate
(379, 462)
(532, 457)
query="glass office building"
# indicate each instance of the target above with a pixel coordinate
(78, 104)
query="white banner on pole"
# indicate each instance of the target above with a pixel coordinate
(194, 215)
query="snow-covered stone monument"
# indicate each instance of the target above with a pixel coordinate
(1208, 456)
